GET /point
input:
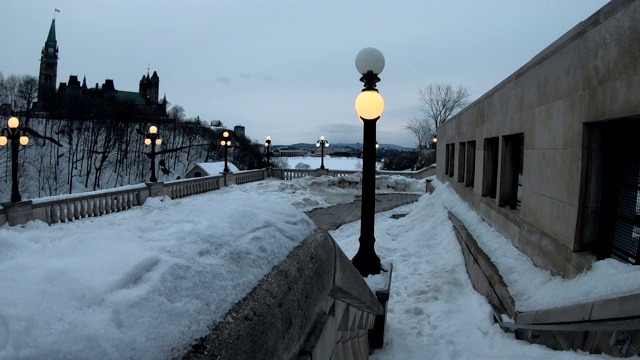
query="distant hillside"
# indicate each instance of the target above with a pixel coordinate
(344, 145)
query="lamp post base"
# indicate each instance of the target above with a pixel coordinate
(366, 260)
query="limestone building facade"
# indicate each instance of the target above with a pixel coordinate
(550, 156)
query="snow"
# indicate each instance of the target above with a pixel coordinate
(146, 282)
(330, 163)
(215, 168)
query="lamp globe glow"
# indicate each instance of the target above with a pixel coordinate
(153, 129)
(370, 59)
(3, 140)
(369, 105)
(158, 141)
(147, 141)
(13, 123)
(24, 140)
(225, 134)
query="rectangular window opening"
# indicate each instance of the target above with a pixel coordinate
(490, 168)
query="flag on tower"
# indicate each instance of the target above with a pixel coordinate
(57, 10)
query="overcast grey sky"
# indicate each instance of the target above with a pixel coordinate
(286, 68)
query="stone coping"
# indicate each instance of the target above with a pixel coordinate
(276, 317)
(617, 309)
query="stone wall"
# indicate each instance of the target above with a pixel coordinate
(313, 305)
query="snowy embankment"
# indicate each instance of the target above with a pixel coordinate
(144, 282)
(434, 312)
(141, 283)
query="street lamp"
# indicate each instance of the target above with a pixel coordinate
(369, 106)
(226, 144)
(322, 143)
(435, 144)
(15, 135)
(267, 146)
(153, 139)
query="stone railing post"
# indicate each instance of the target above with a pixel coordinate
(320, 172)
(229, 178)
(155, 189)
(19, 213)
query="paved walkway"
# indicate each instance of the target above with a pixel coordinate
(332, 217)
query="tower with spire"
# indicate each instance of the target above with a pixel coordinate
(48, 67)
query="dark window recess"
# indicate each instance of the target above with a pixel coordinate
(626, 233)
(470, 170)
(461, 154)
(512, 168)
(490, 168)
(450, 159)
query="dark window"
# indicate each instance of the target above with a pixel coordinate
(461, 154)
(512, 168)
(490, 168)
(470, 170)
(450, 159)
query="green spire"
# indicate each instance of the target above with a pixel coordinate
(52, 32)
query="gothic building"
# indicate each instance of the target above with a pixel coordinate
(76, 99)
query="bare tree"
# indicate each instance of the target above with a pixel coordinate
(422, 130)
(3, 92)
(440, 101)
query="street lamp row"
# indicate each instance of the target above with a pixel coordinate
(226, 144)
(267, 146)
(153, 139)
(16, 136)
(322, 143)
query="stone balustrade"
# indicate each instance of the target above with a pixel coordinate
(66, 208)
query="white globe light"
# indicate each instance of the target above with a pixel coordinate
(13, 122)
(24, 140)
(369, 105)
(3, 140)
(370, 59)
(153, 129)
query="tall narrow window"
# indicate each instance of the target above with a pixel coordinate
(512, 169)
(470, 170)
(490, 168)
(461, 154)
(450, 159)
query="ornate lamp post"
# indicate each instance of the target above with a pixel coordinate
(369, 106)
(322, 143)
(267, 147)
(226, 144)
(153, 139)
(15, 135)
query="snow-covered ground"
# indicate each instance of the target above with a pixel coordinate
(145, 282)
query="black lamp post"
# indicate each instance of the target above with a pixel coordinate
(15, 135)
(267, 147)
(435, 143)
(153, 139)
(226, 144)
(369, 106)
(322, 143)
